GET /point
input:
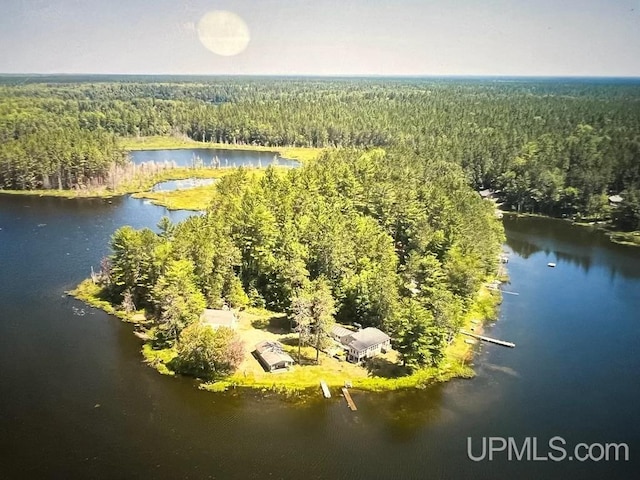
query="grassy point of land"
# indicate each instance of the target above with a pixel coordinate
(89, 292)
(625, 238)
(197, 198)
(301, 154)
(159, 358)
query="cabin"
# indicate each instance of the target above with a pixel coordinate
(489, 194)
(365, 344)
(615, 200)
(219, 318)
(272, 356)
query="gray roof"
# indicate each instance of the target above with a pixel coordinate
(366, 338)
(615, 198)
(272, 352)
(340, 331)
(219, 318)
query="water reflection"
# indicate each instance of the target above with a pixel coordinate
(403, 414)
(215, 158)
(562, 242)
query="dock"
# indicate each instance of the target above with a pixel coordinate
(347, 397)
(496, 289)
(489, 339)
(509, 293)
(325, 389)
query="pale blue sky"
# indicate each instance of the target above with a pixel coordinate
(326, 37)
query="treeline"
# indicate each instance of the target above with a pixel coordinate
(558, 147)
(400, 241)
(44, 148)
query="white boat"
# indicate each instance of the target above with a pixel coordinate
(551, 264)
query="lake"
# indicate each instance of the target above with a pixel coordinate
(76, 401)
(189, 157)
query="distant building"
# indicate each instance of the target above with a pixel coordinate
(614, 200)
(219, 318)
(272, 356)
(489, 193)
(365, 344)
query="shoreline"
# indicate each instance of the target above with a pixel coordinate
(630, 239)
(137, 185)
(144, 184)
(456, 364)
(300, 154)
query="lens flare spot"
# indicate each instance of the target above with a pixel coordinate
(224, 33)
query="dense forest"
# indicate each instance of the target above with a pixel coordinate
(557, 147)
(397, 241)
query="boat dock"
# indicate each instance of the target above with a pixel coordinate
(502, 291)
(325, 389)
(489, 339)
(347, 397)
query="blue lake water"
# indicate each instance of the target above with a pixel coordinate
(222, 158)
(76, 400)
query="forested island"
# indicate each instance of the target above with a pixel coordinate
(383, 229)
(393, 241)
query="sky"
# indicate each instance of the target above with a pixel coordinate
(325, 37)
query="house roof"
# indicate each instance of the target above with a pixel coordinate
(615, 199)
(366, 338)
(272, 352)
(489, 193)
(340, 331)
(218, 318)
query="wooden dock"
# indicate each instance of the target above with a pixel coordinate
(503, 291)
(489, 339)
(509, 293)
(325, 389)
(350, 402)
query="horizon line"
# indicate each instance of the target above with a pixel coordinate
(323, 75)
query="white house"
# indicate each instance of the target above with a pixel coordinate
(362, 344)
